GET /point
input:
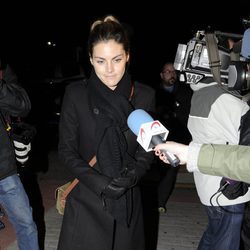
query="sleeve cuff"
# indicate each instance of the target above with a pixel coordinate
(192, 158)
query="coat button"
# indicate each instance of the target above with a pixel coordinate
(96, 111)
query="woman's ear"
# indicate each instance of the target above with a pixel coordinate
(128, 56)
(90, 59)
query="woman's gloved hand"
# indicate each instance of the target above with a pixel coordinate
(118, 186)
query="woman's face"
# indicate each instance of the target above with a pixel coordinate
(109, 62)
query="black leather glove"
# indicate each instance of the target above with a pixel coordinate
(118, 186)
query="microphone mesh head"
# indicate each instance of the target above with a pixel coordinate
(137, 118)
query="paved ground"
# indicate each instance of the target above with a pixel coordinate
(180, 228)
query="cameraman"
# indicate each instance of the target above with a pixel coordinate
(14, 101)
(214, 118)
(173, 100)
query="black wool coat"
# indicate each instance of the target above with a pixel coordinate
(86, 223)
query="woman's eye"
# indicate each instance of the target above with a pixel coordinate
(118, 60)
(100, 61)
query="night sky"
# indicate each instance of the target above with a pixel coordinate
(156, 28)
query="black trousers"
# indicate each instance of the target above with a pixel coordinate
(168, 175)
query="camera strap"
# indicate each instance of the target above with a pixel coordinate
(213, 56)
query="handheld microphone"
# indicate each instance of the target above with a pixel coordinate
(149, 133)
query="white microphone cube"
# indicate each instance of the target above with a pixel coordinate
(147, 131)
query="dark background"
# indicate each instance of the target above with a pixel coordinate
(156, 27)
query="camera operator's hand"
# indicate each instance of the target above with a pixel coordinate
(118, 186)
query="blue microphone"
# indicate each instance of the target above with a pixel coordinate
(245, 47)
(139, 117)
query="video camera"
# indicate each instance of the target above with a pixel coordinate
(193, 60)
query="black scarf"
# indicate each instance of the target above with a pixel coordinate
(112, 108)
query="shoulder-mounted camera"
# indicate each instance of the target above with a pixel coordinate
(215, 57)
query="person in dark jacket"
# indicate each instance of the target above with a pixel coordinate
(14, 101)
(104, 210)
(173, 100)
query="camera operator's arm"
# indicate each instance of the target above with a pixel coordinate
(232, 161)
(14, 100)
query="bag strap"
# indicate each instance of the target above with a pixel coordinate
(92, 162)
